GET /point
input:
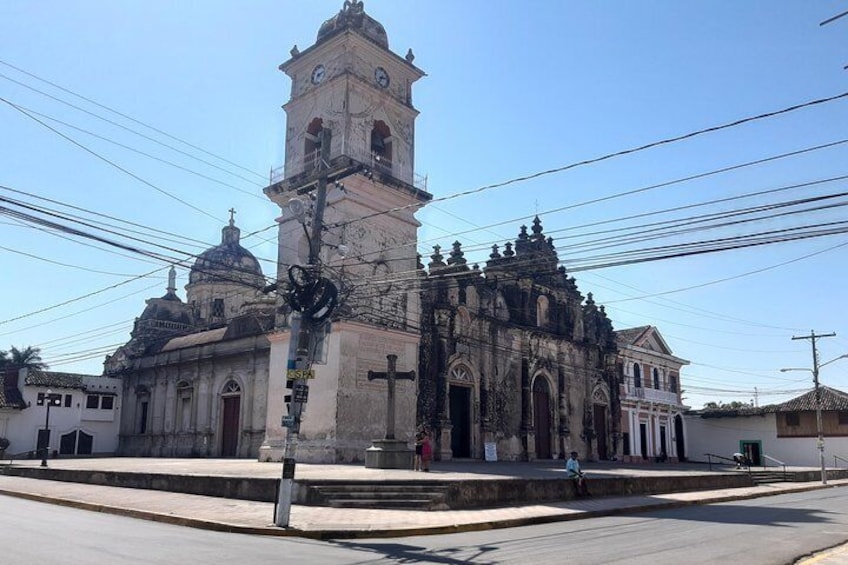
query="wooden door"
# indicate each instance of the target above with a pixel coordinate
(460, 417)
(542, 418)
(230, 426)
(600, 421)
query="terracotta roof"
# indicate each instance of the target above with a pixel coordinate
(199, 338)
(52, 378)
(831, 399)
(10, 397)
(630, 336)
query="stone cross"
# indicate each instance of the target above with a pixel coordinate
(391, 375)
(232, 212)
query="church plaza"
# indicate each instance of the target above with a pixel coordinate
(243, 516)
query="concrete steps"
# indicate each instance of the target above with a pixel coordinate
(377, 495)
(764, 477)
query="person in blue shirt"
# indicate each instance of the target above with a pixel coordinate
(573, 472)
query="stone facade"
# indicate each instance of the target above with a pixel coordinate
(350, 128)
(513, 357)
(195, 375)
(510, 359)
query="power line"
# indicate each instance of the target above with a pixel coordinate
(114, 123)
(104, 159)
(143, 153)
(609, 156)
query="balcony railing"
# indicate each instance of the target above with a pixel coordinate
(310, 164)
(652, 395)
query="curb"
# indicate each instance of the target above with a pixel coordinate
(271, 530)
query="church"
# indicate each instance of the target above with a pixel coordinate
(509, 358)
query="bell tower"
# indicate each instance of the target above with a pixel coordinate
(350, 82)
(350, 131)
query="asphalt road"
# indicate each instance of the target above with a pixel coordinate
(771, 530)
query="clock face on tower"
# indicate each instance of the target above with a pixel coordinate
(382, 77)
(318, 74)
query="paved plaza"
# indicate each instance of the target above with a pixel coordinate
(323, 522)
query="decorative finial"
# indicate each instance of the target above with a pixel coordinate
(294, 51)
(232, 216)
(410, 56)
(495, 254)
(172, 280)
(537, 226)
(457, 257)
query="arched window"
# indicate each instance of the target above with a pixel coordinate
(542, 311)
(656, 378)
(637, 375)
(142, 394)
(381, 145)
(232, 387)
(312, 147)
(461, 374)
(183, 419)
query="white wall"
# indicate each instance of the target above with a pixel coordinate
(721, 436)
(22, 426)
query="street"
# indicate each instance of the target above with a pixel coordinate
(770, 530)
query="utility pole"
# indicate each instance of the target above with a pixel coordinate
(820, 442)
(301, 345)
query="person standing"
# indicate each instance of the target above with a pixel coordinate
(426, 451)
(419, 447)
(573, 472)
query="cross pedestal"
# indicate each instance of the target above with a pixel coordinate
(389, 453)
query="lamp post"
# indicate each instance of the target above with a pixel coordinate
(49, 398)
(819, 427)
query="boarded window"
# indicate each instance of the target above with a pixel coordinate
(218, 308)
(843, 418)
(793, 419)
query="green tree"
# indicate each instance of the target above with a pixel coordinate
(29, 357)
(734, 405)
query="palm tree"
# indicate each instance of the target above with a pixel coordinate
(29, 357)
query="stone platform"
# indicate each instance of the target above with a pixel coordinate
(450, 485)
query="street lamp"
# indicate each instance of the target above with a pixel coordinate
(49, 399)
(819, 430)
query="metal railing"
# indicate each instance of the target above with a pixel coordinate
(710, 457)
(838, 458)
(309, 163)
(777, 461)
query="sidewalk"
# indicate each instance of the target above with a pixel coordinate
(249, 517)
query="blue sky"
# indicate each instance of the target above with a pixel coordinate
(513, 89)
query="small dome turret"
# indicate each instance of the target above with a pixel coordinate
(352, 16)
(228, 261)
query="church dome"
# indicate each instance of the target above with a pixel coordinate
(353, 16)
(167, 309)
(163, 317)
(227, 262)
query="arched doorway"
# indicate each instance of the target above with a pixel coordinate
(459, 405)
(230, 424)
(542, 417)
(679, 440)
(600, 404)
